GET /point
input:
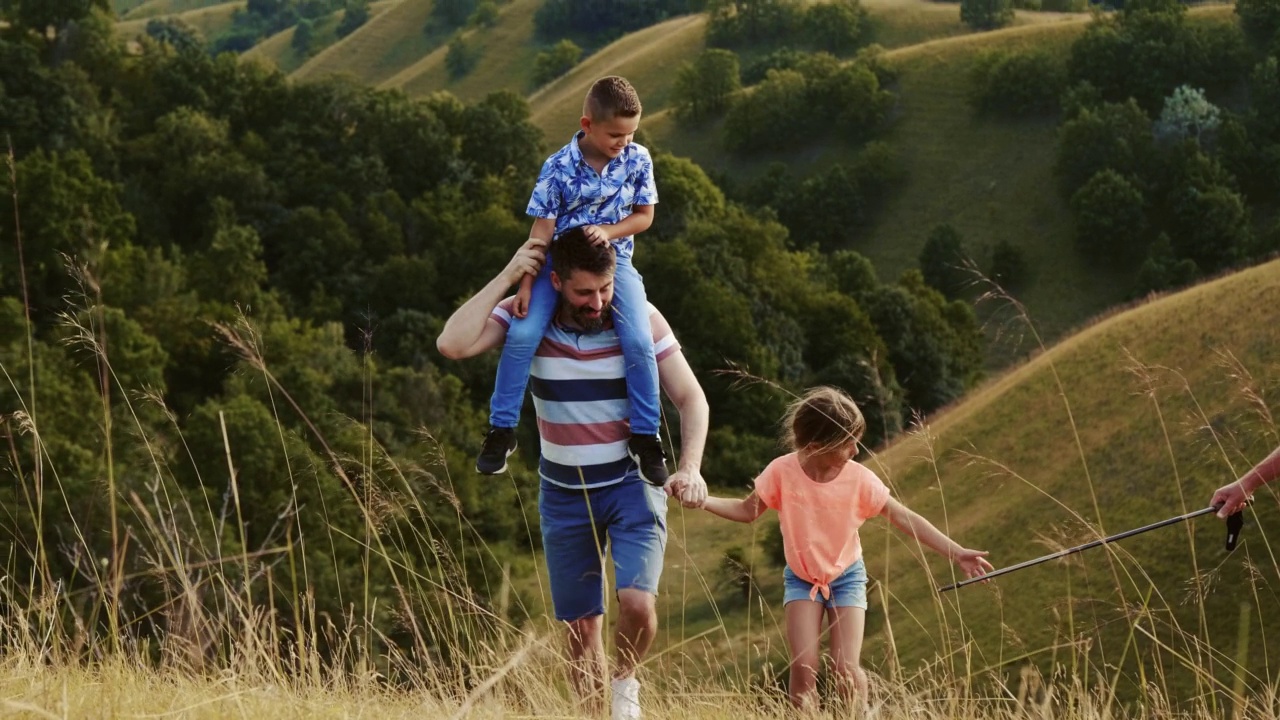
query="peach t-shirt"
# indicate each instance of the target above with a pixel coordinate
(820, 521)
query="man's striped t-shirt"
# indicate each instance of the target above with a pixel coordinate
(579, 390)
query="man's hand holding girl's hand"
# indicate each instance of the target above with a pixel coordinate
(688, 487)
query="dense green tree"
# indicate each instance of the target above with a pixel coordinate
(1008, 266)
(1113, 136)
(836, 26)
(706, 86)
(945, 265)
(1110, 218)
(303, 35)
(986, 14)
(686, 192)
(1260, 20)
(68, 215)
(176, 32)
(354, 16)
(41, 15)
(734, 23)
(765, 120)
(935, 346)
(461, 57)
(1016, 83)
(551, 64)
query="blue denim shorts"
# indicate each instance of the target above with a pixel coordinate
(629, 519)
(848, 590)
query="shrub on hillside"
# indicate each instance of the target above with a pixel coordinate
(485, 15)
(1110, 218)
(303, 35)
(741, 23)
(1144, 54)
(1016, 83)
(820, 96)
(176, 33)
(986, 14)
(1008, 266)
(707, 85)
(355, 16)
(1112, 136)
(601, 20)
(1163, 270)
(786, 58)
(555, 62)
(944, 262)
(837, 26)
(1260, 20)
(460, 57)
(1187, 115)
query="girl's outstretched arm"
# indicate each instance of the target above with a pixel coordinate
(744, 511)
(973, 562)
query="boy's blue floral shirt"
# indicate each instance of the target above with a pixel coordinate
(572, 192)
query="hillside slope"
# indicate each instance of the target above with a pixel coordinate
(1135, 419)
(380, 48)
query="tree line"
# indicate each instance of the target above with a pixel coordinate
(205, 267)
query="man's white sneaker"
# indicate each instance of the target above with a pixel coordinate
(626, 699)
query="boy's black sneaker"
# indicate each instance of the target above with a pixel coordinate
(647, 452)
(498, 445)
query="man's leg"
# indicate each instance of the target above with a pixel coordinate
(637, 540)
(637, 626)
(586, 661)
(573, 544)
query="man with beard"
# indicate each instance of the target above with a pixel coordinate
(591, 495)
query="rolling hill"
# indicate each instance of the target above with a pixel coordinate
(379, 48)
(1135, 419)
(278, 50)
(211, 20)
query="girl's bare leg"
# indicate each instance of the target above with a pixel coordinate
(804, 627)
(847, 627)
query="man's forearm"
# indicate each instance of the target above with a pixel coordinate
(463, 328)
(694, 421)
(1262, 473)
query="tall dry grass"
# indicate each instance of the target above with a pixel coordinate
(200, 643)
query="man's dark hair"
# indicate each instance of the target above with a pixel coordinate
(573, 251)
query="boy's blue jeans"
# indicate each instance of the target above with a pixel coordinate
(630, 320)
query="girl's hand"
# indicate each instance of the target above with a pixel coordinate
(973, 562)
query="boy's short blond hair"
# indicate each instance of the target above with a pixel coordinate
(611, 97)
(824, 419)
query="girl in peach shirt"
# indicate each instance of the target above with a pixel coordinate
(822, 496)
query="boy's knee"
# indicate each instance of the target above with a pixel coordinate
(523, 336)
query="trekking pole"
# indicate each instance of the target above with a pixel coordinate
(1234, 524)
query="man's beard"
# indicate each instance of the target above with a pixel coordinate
(582, 317)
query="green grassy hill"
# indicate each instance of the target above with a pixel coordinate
(156, 8)
(1132, 420)
(278, 50)
(991, 179)
(505, 56)
(211, 21)
(380, 48)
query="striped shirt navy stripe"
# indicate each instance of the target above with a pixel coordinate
(579, 387)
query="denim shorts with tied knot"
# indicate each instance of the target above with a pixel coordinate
(847, 590)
